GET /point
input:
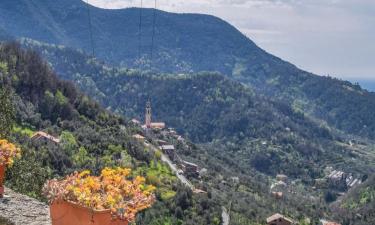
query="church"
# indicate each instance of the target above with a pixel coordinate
(148, 122)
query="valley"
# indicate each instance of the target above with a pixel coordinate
(246, 137)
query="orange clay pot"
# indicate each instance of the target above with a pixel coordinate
(68, 213)
(2, 177)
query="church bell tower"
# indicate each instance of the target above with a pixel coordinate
(148, 114)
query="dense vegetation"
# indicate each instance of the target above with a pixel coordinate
(191, 43)
(208, 107)
(91, 138)
(256, 117)
(358, 206)
(246, 133)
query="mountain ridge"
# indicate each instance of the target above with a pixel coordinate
(188, 43)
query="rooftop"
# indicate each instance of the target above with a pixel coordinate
(189, 163)
(138, 136)
(40, 134)
(167, 147)
(278, 216)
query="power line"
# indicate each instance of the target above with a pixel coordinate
(153, 35)
(90, 28)
(140, 30)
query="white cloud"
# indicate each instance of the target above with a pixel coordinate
(323, 36)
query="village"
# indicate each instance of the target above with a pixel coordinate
(184, 167)
(335, 179)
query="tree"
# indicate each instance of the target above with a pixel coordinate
(68, 142)
(81, 158)
(7, 112)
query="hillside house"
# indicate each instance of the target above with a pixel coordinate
(325, 222)
(162, 142)
(278, 219)
(351, 181)
(190, 169)
(41, 137)
(337, 179)
(169, 150)
(158, 126)
(139, 137)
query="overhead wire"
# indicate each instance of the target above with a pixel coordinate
(140, 31)
(153, 35)
(90, 28)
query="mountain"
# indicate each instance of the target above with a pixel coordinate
(210, 108)
(240, 132)
(255, 117)
(185, 43)
(91, 138)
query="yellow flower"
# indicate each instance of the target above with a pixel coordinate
(111, 190)
(8, 152)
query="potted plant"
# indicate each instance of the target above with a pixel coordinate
(111, 198)
(8, 152)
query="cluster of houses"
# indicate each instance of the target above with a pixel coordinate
(279, 219)
(340, 178)
(186, 167)
(337, 179)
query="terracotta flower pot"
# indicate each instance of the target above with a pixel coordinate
(2, 177)
(67, 213)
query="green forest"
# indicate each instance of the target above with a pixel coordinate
(237, 131)
(266, 136)
(91, 138)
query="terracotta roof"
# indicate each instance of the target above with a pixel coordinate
(329, 223)
(199, 191)
(158, 125)
(40, 134)
(138, 136)
(278, 216)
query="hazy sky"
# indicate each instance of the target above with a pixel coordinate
(335, 37)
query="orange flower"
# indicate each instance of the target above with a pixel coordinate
(111, 190)
(8, 152)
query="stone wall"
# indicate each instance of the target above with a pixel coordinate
(23, 210)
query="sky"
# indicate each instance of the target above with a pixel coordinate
(326, 37)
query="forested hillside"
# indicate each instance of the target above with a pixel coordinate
(247, 116)
(90, 138)
(248, 136)
(208, 107)
(359, 205)
(188, 43)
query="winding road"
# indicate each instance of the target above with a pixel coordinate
(173, 167)
(225, 215)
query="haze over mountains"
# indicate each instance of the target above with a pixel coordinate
(366, 84)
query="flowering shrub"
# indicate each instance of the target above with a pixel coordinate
(111, 190)
(8, 152)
